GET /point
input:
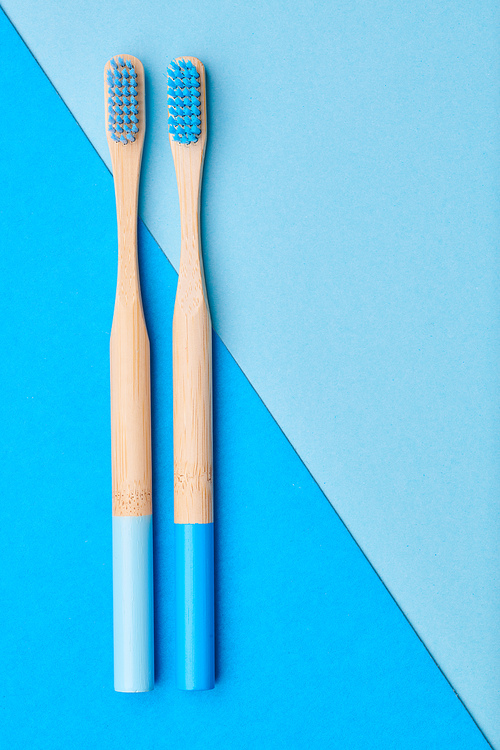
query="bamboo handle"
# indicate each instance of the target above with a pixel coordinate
(192, 395)
(192, 343)
(130, 411)
(192, 372)
(129, 345)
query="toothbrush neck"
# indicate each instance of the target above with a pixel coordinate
(189, 198)
(127, 192)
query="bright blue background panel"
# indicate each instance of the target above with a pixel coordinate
(311, 649)
(351, 225)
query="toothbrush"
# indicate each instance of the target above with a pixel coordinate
(130, 393)
(192, 390)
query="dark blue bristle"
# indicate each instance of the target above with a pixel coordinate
(122, 102)
(183, 101)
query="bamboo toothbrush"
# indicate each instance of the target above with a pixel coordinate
(130, 393)
(192, 390)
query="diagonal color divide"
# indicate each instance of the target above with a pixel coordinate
(446, 729)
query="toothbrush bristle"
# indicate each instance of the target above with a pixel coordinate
(183, 100)
(123, 120)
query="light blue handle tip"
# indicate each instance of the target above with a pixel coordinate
(133, 612)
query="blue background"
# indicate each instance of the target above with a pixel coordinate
(353, 271)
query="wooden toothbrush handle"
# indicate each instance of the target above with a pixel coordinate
(130, 410)
(192, 401)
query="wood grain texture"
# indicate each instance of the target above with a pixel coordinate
(192, 341)
(129, 344)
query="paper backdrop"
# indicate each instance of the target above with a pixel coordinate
(349, 223)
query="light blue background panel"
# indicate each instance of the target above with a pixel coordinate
(312, 651)
(350, 225)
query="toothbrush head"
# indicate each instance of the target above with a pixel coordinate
(185, 102)
(123, 99)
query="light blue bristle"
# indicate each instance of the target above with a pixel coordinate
(122, 102)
